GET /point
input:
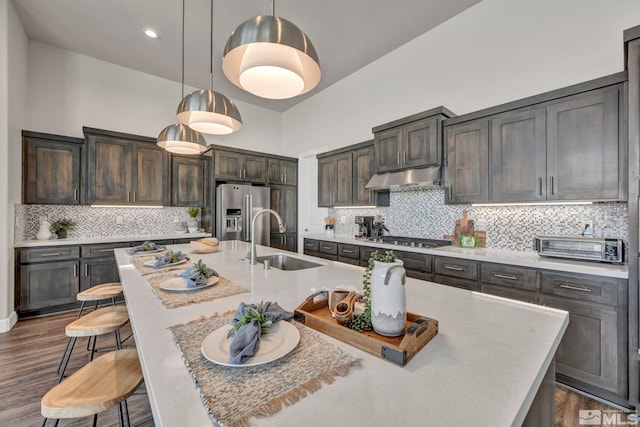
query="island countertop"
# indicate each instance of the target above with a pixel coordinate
(483, 368)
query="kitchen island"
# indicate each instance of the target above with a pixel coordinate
(484, 367)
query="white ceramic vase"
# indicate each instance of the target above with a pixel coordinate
(388, 298)
(44, 233)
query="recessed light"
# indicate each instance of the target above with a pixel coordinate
(151, 34)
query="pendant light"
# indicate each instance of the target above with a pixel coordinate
(271, 57)
(208, 111)
(178, 138)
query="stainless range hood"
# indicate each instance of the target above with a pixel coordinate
(412, 177)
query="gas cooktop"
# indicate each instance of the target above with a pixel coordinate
(411, 241)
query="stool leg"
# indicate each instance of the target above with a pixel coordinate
(64, 368)
(89, 344)
(118, 342)
(44, 423)
(120, 419)
(113, 301)
(81, 308)
(56, 423)
(95, 420)
(93, 348)
(126, 411)
(63, 356)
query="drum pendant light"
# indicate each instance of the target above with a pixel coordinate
(208, 111)
(178, 138)
(271, 57)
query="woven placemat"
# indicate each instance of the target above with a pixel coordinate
(140, 261)
(172, 299)
(233, 396)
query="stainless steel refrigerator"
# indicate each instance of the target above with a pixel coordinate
(235, 207)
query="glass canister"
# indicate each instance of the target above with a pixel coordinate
(388, 298)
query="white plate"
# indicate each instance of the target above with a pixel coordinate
(178, 284)
(281, 339)
(155, 251)
(150, 264)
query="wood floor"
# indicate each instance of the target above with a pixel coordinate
(29, 356)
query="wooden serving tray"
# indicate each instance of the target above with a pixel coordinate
(399, 350)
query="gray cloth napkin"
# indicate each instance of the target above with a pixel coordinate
(246, 341)
(168, 258)
(195, 278)
(145, 247)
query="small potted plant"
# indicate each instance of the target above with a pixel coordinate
(192, 223)
(61, 226)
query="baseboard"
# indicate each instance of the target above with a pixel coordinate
(7, 324)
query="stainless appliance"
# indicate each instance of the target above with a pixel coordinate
(583, 248)
(235, 207)
(411, 241)
(365, 224)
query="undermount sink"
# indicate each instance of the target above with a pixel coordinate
(286, 262)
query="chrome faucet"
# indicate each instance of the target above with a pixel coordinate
(253, 257)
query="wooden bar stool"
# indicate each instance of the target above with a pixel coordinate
(101, 384)
(102, 321)
(98, 293)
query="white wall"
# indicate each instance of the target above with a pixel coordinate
(68, 91)
(13, 83)
(496, 51)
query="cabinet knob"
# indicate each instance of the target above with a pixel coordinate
(404, 161)
(552, 189)
(540, 186)
(398, 158)
(75, 194)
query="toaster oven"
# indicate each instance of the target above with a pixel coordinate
(600, 249)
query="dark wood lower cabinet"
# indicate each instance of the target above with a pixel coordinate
(96, 271)
(48, 284)
(286, 242)
(511, 293)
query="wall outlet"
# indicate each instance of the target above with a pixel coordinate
(586, 227)
(119, 220)
(343, 219)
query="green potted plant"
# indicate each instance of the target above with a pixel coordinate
(61, 226)
(192, 223)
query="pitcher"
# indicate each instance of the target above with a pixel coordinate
(388, 298)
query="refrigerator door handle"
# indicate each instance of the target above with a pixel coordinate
(247, 211)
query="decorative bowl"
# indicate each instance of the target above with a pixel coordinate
(206, 245)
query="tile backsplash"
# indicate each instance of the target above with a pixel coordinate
(421, 212)
(101, 221)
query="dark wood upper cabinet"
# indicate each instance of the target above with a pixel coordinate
(326, 181)
(583, 155)
(52, 169)
(187, 181)
(239, 166)
(284, 200)
(334, 180)
(518, 156)
(125, 169)
(467, 162)
(362, 173)
(283, 172)
(411, 142)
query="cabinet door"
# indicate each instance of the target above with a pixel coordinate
(468, 162)
(582, 147)
(228, 165)
(518, 156)
(362, 173)
(52, 172)
(48, 284)
(187, 181)
(284, 200)
(388, 147)
(421, 146)
(109, 170)
(286, 242)
(326, 181)
(255, 169)
(150, 175)
(276, 171)
(344, 168)
(290, 172)
(95, 271)
(593, 349)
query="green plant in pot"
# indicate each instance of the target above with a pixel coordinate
(61, 226)
(192, 223)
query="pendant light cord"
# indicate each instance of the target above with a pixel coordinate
(211, 51)
(273, 7)
(182, 77)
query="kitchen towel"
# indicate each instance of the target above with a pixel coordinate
(195, 277)
(233, 396)
(170, 257)
(222, 289)
(145, 247)
(141, 264)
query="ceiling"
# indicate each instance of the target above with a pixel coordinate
(346, 34)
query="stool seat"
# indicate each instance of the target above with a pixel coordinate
(98, 322)
(99, 385)
(100, 292)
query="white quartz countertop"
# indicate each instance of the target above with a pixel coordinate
(110, 239)
(483, 368)
(500, 256)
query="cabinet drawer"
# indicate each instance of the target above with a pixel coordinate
(366, 251)
(349, 251)
(101, 250)
(329, 248)
(457, 268)
(598, 289)
(311, 245)
(512, 277)
(508, 292)
(415, 261)
(456, 282)
(51, 253)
